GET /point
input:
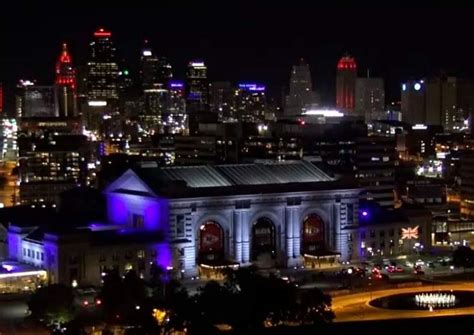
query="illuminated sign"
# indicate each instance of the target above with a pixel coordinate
(324, 112)
(419, 127)
(26, 82)
(197, 64)
(176, 84)
(252, 87)
(146, 53)
(410, 233)
(52, 124)
(102, 33)
(97, 103)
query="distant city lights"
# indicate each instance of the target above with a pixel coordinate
(324, 112)
(252, 87)
(419, 127)
(97, 103)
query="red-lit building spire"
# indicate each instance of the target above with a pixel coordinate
(65, 72)
(345, 83)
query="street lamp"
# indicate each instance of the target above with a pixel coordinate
(349, 272)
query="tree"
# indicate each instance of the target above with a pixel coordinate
(125, 300)
(52, 304)
(315, 307)
(257, 299)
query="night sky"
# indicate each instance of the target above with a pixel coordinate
(241, 40)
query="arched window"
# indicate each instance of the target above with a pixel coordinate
(263, 238)
(313, 234)
(211, 241)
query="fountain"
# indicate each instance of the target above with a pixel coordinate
(435, 300)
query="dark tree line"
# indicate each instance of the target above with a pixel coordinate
(244, 302)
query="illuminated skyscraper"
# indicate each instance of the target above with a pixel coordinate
(103, 71)
(250, 102)
(301, 95)
(222, 100)
(413, 102)
(346, 83)
(176, 119)
(197, 87)
(155, 74)
(65, 84)
(154, 70)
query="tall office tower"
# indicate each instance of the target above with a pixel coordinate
(65, 84)
(222, 101)
(154, 109)
(413, 102)
(345, 83)
(155, 74)
(449, 102)
(197, 88)
(301, 95)
(154, 70)
(176, 118)
(102, 85)
(103, 69)
(250, 102)
(375, 160)
(370, 98)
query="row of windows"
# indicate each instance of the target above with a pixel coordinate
(128, 255)
(31, 254)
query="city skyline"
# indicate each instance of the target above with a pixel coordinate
(240, 49)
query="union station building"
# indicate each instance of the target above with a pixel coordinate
(198, 220)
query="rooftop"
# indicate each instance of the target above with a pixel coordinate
(233, 179)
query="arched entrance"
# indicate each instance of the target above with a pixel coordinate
(264, 243)
(313, 247)
(313, 234)
(211, 243)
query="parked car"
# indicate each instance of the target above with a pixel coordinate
(393, 269)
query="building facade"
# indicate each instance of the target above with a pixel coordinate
(197, 87)
(102, 83)
(66, 84)
(250, 102)
(370, 98)
(413, 102)
(346, 84)
(197, 220)
(222, 101)
(301, 96)
(176, 118)
(375, 160)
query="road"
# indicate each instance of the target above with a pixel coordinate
(355, 307)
